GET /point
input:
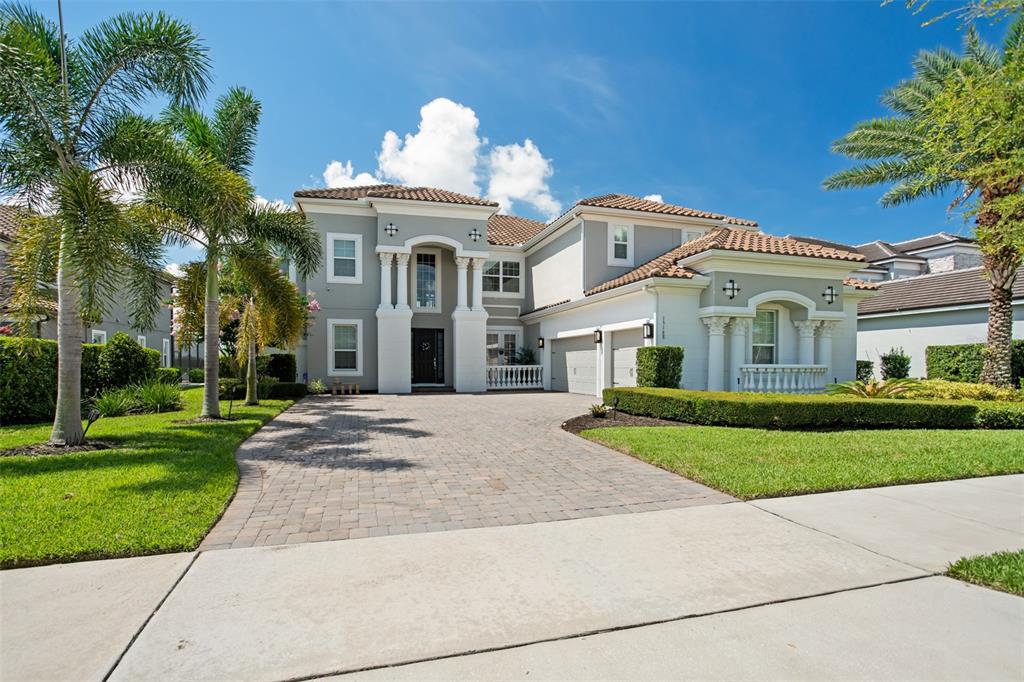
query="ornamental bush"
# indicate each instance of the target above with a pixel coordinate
(895, 364)
(963, 362)
(28, 378)
(196, 375)
(659, 366)
(168, 375)
(776, 411)
(287, 390)
(124, 362)
(941, 389)
(865, 370)
(281, 366)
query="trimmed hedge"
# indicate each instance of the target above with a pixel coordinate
(168, 375)
(197, 375)
(287, 390)
(659, 366)
(282, 367)
(963, 362)
(775, 411)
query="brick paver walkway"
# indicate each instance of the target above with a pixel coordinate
(333, 468)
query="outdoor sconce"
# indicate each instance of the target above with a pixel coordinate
(731, 289)
(597, 336)
(475, 235)
(540, 342)
(648, 330)
(391, 229)
(830, 294)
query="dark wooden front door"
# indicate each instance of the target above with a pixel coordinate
(428, 356)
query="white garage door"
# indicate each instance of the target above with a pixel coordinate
(574, 365)
(624, 345)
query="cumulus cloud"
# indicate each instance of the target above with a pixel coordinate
(174, 269)
(654, 197)
(519, 172)
(338, 174)
(279, 204)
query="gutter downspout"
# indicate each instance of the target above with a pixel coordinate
(657, 311)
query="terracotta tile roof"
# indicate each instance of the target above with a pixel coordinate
(631, 203)
(662, 266)
(506, 230)
(9, 219)
(860, 284)
(545, 307)
(958, 287)
(394, 192)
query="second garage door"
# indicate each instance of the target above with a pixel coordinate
(624, 345)
(574, 365)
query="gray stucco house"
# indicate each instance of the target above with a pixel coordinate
(423, 287)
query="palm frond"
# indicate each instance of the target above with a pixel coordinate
(32, 268)
(236, 120)
(288, 230)
(915, 188)
(881, 138)
(142, 255)
(189, 298)
(869, 174)
(1013, 44)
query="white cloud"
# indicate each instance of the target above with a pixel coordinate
(279, 204)
(338, 174)
(174, 269)
(654, 197)
(519, 172)
(444, 152)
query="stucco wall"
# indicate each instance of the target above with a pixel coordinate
(555, 270)
(648, 243)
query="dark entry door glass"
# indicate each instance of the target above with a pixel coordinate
(428, 356)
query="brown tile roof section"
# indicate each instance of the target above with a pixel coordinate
(726, 239)
(394, 192)
(545, 307)
(506, 230)
(860, 284)
(10, 216)
(959, 287)
(631, 203)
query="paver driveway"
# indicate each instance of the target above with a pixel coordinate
(333, 468)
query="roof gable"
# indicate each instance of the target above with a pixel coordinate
(630, 203)
(510, 230)
(388, 191)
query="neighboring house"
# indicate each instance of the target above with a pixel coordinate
(117, 318)
(424, 287)
(939, 252)
(929, 310)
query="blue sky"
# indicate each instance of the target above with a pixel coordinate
(727, 107)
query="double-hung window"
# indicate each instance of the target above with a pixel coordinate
(427, 281)
(765, 338)
(141, 339)
(345, 261)
(620, 244)
(98, 336)
(503, 277)
(345, 349)
(166, 352)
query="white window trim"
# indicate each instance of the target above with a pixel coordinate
(141, 338)
(102, 334)
(507, 258)
(437, 280)
(165, 353)
(337, 279)
(518, 331)
(331, 371)
(690, 235)
(778, 333)
(630, 245)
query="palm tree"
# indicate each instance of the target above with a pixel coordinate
(70, 138)
(943, 136)
(219, 211)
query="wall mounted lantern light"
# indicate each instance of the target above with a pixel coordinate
(830, 294)
(475, 235)
(391, 229)
(597, 336)
(540, 342)
(648, 330)
(731, 289)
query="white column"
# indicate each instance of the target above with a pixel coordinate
(461, 267)
(825, 330)
(738, 350)
(478, 283)
(805, 328)
(402, 302)
(385, 280)
(716, 351)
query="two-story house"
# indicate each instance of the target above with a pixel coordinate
(423, 287)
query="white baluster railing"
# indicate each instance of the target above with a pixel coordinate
(514, 377)
(783, 378)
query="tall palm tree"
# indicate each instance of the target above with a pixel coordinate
(944, 137)
(70, 137)
(222, 216)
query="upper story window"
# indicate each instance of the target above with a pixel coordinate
(765, 338)
(503, 277)
(427, 281)
(620, 244)
(345, 258)
(98, 336)
(141, 339)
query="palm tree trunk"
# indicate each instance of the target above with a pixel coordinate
(67, 422)
(1002, 271)
(211, 336)
(251, 388)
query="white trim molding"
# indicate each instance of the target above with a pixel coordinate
(331, 369)
(100, 333)
(438, 304)
(141, 338)
(501, 258)
(630, 244)
(332, 237)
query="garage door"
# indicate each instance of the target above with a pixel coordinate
(574, 365)
(624, 345)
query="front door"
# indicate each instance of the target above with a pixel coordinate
(428, 356)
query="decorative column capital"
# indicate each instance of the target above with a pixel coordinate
(402, 259)
(478, 263)
(805, 327)
(716, 324)
(385, 258)
(826, 327)
(740, 326)
(462, 262)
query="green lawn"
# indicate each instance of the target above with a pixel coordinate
(159, 490)
(754, 463)
(1002, 571)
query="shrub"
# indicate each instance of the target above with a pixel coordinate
(287, 390)
(227, 388)
(91, 382)
(123, 362)
(228, 367)
(168, 375)
(895, 364)
(892, 388)
(659, 366)
(281, 366)
(598, 410)
(1000, 416)
(263, 386)
(156, 396)
(790, 411)
(317, 386)
(117, 402)
(865, 370)
(28, 380)
(196, 375)
(963, 362)
(958, 390)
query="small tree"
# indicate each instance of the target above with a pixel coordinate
(895, 364)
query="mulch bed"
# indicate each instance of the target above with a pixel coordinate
(47, 450)
(585, 421)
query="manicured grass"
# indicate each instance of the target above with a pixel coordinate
(754, 463)
(1001, 571)
(159, 490)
